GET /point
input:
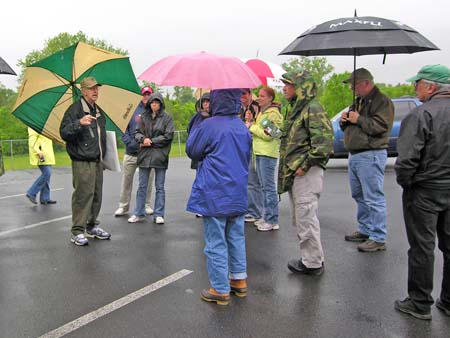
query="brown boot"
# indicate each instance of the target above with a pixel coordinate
(212, 295)
(238, 287)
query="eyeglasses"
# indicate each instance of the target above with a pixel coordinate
(416, 84)
(147, 94)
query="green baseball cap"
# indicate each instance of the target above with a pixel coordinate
(359, 74)
(435, 73)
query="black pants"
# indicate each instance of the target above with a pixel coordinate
(427, 212)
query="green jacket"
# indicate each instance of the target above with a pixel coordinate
(374, 124)
(307, 140)
(263, 144)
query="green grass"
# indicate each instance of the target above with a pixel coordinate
(62, 159)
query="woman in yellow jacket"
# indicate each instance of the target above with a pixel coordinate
(41, 154)
(266, 132)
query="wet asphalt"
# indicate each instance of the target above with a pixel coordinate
(47, 282)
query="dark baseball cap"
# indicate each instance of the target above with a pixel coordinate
(359, 74)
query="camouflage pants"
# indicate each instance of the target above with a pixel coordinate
(304, 197)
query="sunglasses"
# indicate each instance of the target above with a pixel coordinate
(147, 94)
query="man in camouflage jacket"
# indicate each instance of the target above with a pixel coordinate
(306, 145)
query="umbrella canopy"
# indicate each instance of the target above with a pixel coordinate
(51, 85)
(201, 70)
(265, 70)
(359, 36)
(5, 68)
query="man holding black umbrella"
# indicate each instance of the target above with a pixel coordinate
(366, 134)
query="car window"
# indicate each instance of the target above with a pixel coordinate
(402, 108)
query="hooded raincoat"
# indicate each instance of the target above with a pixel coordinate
(223, 144)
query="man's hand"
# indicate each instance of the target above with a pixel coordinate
(147, 142)
(86, 120)
(353, 116)
(299, 172)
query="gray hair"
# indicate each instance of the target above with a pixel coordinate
(440, 87)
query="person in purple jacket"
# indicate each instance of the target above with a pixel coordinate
(222, 145)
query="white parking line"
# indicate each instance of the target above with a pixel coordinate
(117, 304)
(11, 196)
(7, 232)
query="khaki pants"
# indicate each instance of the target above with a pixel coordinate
(87, 183)
(304, 198)
(129, 168)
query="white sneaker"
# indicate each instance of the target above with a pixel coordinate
(135, 219)
(148, 210)
(267, 227)
(258, 222)
(120, 212)
(159, 220)
(249, 218)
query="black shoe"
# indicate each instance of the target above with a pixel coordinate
(407, 306)
(32, 199)
(296, 266)
(48, 202)
(442, 307)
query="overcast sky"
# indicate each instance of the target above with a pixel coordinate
(151, 30)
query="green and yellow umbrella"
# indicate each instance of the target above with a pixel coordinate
(51, 85)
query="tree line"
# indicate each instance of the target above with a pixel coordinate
(332, 93)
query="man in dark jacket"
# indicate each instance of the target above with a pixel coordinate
(83, 129)
(130, 160)
(366, 135)
(222, 143)
(423, 171)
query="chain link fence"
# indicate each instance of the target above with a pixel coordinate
(19, 147)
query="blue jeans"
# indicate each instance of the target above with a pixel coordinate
(254, 192)
(42, 184)
(224, 250)
(366, 174)
(160, 195)
(265, 168)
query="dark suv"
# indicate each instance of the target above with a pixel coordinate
(403, 106)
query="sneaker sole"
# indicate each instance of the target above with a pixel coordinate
(412, 313)
(271, 229)
(98, 237)
(78, 244)
(442, 308)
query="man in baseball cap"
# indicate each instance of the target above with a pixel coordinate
(89, 82)
(360, 74)
(422, 169)
(146, 90)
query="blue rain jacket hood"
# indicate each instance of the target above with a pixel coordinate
(223, 144)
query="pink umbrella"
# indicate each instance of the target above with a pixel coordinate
(201, 70)
(265, 69)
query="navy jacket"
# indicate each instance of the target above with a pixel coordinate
(223, 144)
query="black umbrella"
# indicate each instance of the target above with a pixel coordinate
(359, 36)
(5, 68)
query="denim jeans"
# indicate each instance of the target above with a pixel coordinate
(254, 192)
(265, 168)
(224, 250)
(160, 195)
(366, 174)
(42, 184)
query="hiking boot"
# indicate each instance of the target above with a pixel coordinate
(356, 237)
(267, 227)
(238, 287)
(120, 212)
(249, 219)
(79, 239)
(97, 232)
(135, 219)
(407, 306)
(371, 246)
(296, 266)
(442, 307)
(31, 199)
(159, 220)
(148, 210)
(212, 295)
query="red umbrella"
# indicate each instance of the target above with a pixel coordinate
(265, 69)
(201, 70)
